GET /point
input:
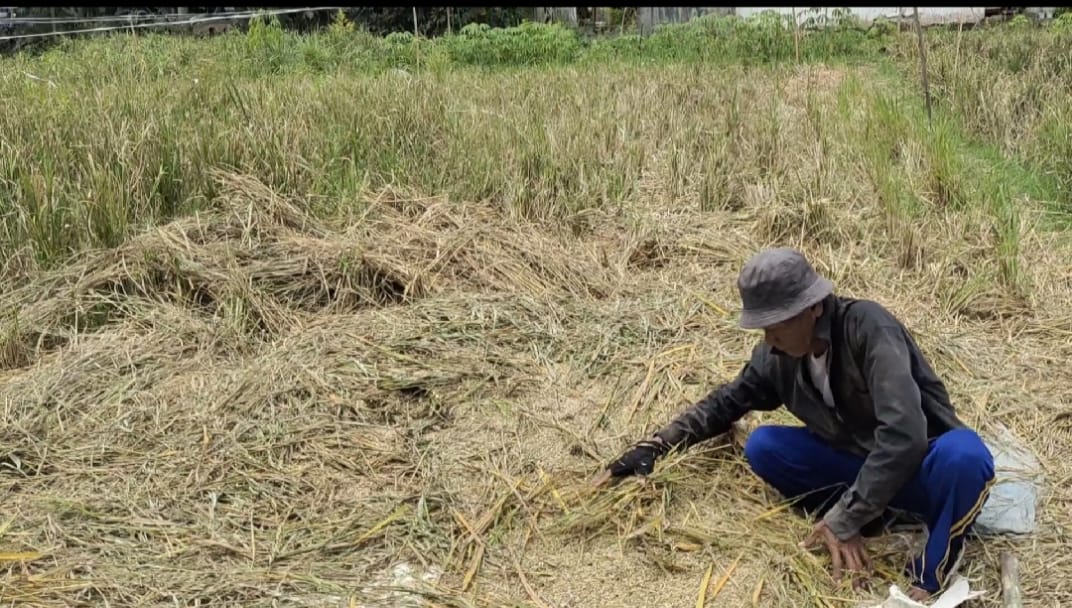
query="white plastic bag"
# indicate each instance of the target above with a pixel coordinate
(1013, 498)
(955, 595)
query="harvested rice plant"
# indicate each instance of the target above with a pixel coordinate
(339, 320)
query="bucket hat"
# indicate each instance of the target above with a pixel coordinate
(778, 284)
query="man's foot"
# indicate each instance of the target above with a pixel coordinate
(918, 595)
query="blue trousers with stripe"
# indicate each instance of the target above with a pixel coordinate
(947, 492)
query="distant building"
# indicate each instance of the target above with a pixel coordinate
(649, 17)
(566, 14)
(7, 16)
(1041, 12)
(928, 15)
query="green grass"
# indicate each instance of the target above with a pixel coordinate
(1008, 90)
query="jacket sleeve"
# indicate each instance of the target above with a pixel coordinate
(715, 413)
(901, 435)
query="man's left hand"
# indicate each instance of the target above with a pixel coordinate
(850, 554)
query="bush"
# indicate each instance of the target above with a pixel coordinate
(527, 44)
(1019, 22)
(882, 27)
(1062, 24)
(266, 46)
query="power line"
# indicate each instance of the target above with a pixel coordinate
(170, 23)
(112, 18)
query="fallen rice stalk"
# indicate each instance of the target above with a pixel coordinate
(757, 592)
(773, 511)
(379, 527)
(701, 598)
(19, 557)
(474, 566)
(725, 577)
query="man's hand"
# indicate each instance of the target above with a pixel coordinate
(637, 460)
(850, 554)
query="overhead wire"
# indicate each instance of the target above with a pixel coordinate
(170, 23)
(16, 21)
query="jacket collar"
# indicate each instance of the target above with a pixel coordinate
(825, 322)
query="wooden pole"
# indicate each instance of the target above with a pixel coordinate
(956, 59)
(449, 31)
(796, 33)
(1011, 596)
(416, 40)
(645, 19)
(923, 63)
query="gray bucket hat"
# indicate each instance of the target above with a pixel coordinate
(778, 284)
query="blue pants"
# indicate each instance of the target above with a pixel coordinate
(947, 492)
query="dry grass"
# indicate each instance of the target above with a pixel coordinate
(253, 406)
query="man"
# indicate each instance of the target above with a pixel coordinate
(879, 430)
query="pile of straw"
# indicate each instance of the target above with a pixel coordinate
(254, 407)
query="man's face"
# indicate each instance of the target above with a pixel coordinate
(794, 336)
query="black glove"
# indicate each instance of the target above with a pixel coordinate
(639, 459)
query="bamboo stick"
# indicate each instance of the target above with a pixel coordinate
(1011, 596)
(923, 62)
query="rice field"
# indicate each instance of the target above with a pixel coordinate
(334, 320)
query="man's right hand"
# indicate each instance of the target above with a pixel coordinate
(639, 459)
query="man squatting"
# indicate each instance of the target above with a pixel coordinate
(879, 429)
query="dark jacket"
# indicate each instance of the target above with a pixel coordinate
(889, 403)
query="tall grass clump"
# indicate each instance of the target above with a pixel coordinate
(266, 44)
(923, 171)
(1009, 86)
